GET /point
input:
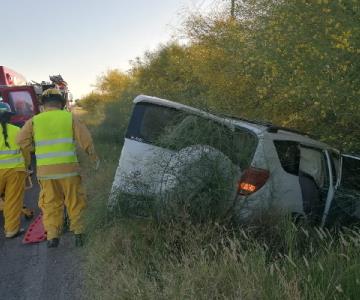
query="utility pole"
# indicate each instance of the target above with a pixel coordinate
(233, 8)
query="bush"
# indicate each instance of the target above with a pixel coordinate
(92, 103)
(113, 126)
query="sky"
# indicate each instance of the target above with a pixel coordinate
(81, 39)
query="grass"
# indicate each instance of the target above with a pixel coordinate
(129, 258)
(142, 260)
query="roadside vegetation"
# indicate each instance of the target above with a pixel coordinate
(294, 63)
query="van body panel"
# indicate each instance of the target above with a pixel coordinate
(249, 207)
(227, 121)
(302, 139)
(141, 168)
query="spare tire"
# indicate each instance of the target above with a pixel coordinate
(200, 184)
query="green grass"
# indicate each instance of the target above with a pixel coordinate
(129, 258)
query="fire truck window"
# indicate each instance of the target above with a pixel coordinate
(22, 103)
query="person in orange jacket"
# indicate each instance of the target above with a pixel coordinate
(54, 133)
(13, 173)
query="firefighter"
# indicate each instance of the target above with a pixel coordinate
(53, 134)
(12, 173)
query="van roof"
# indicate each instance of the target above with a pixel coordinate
(259, 128)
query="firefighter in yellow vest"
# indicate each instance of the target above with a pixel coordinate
(54, 133)
(12, 173)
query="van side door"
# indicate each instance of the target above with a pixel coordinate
(333, 174)
(316, 182)
(345, 207)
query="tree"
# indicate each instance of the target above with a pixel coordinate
(112, 84)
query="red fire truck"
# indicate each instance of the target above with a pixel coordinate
(22, 97)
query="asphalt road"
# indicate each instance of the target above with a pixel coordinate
(36, 272)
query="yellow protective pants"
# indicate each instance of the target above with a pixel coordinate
(54, 194)
(12, 186)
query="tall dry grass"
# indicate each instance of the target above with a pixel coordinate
(143, 260)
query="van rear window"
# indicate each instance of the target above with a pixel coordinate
(174, 129)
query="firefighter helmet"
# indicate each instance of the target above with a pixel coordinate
(52, 94)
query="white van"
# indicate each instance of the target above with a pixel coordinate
(272, 167)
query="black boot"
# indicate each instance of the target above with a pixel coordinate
(79, 240)
(53, 243)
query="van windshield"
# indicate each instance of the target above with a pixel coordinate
(174, 129)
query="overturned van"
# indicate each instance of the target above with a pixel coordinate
(178, 160)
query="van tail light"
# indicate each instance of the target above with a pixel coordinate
(252, 180)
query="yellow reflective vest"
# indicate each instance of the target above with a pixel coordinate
(54, 138)
(10, 158)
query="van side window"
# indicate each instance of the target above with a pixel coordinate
(350, 174)
(345, 207)
(175, 129)
(155, 120)
(289, 156)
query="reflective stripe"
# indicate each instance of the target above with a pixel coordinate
(54, 142)
(10, 157)
(55, 154)
(11, 160)
(4, 152)
(54, 138)
(58, 176)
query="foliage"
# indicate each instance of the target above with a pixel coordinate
(112, 84)
(91, 102)
(294, 63)
(111, 87)
(291, 62)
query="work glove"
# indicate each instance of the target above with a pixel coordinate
(29, 171)
(28, 182)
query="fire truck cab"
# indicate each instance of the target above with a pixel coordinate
(21, 97)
